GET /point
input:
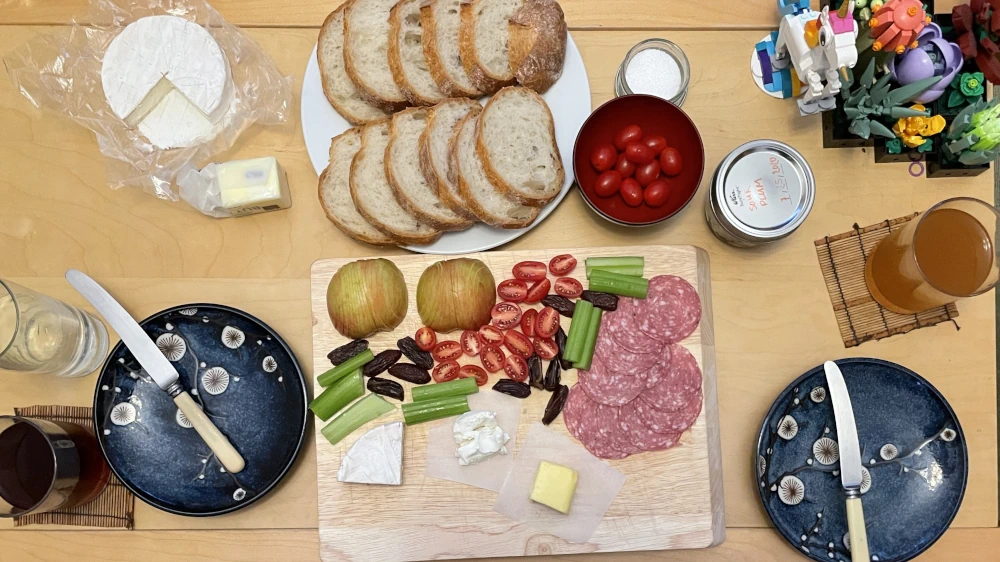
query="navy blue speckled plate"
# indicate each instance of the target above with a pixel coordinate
(247, 380)
(912, 448)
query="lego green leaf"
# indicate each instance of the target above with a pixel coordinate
(904, 94)
(852, 112)
(900, 112)
(926, 147)
(881, 130)
(894, 146)
(955, 99)
(868, 75)
(860, 128)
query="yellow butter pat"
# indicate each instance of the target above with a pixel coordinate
(253, 186)
(554, 486)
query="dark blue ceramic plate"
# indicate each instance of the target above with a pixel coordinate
(912, 448)
(248, 382)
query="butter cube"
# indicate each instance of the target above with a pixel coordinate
(554, 486)
(253, 186)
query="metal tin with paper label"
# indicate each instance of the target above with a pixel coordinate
(760, 193)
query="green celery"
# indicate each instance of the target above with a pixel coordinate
(334, 398)
(590, 341)
(578, 329)
(428, 410)
(628, 265)
(361, 412)
(345, 368)
(618, 277)
(618, 287)
(630, 270)
(457, 387)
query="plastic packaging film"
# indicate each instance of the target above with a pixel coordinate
(61, 72)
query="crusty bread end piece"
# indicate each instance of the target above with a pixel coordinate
(435, 155)
(538, 44)
(406, 55)
(366, 53)
(482, 42)
(440, 20)
(337, 86)
(335, 191)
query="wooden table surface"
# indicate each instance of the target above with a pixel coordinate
(772, 314)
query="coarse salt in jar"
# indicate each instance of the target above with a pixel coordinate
(656, 67)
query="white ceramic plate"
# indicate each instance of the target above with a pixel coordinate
(568, 99)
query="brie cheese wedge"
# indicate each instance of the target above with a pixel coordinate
(375, 458)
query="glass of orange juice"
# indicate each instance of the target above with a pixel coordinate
(946, 253)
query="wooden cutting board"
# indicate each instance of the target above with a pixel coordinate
(671, 499)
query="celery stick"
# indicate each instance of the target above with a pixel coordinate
(630, 270)
(345, 368)
(428, 410)
(361, 412)
(617, 287)
(578, 329)
(611, 276)
(590, 341)
(635, 263)
(334, 398)
(457, 387)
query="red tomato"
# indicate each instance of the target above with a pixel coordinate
(490, 335)
(529, 271)
(647, 173)
(638, 153)
(546, 348)
(538, 291)
(506, 315)
(624, 167)
(446, 371)
(516, 368)
(467, 371)
(547, 323)
(448, 350)
(568, 287)
(604, 156)
(628, 134)
(528, 322)
(608, 183)
(425, 338)
(656, 142)
(518, 343)
(562, 264)
(671, 162)
(492, 358)
(632, 192)
(656, 193)
(471, 344)
(512, 290)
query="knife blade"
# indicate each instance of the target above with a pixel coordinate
(156, 366)
(850, 459)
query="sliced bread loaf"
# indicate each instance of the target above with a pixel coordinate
(366, 53)
(517, 145)
(402, 168)
(406, 55)
(482, 42)
(538, 43)
(440, 20)
(482, 197)
(374, 198)
(339, 89)
(335, 191)
(435, 157)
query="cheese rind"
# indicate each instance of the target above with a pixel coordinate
(375, 458)
(554, 486)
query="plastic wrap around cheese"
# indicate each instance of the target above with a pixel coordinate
(238, 188)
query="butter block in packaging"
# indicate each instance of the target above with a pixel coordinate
(236, 189)
(554, 486)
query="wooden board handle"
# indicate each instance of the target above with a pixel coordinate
(856, 527)
(214, 438)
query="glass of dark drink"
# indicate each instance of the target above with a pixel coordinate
(47, 465)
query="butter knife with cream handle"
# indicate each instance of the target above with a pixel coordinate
(850, 460)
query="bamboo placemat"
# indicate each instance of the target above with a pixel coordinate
(859, 316)
(113, 509)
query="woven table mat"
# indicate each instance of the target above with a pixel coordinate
(113, 509)
(859, 316)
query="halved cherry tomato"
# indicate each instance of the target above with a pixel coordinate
(656, 142)
(426, 338)
(512, 290)
(467, 371)
(639, 153)
(624, 167)
(518, 343)
(562, 264)
(490, 335)
(471, 344)
(448, 350)
(492, 358)
(516, 368)
(568, 287)
(608, 183)
(647, 173)
(604, 156)
(546, 348)
(626, 135)
(538, 291)
(529, 271)
(671, 162)
(446, 371)
(655, 195)
(528, 322)
(506, 315)
(631, 193)
(547, 323)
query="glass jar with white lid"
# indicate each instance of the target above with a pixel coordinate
(656, 67)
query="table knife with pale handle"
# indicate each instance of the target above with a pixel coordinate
(850, 460)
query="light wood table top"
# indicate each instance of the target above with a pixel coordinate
(773, 317)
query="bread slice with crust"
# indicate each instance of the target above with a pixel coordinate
(482, 43)
(482, 197)
(337, 86)
(537, 43)
(402, 168)
(366, 53)
(406, 55)
(435, 156)
(335, 191)
(372, 195)
(517, 145)
(441, 20)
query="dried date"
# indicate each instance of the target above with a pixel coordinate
(555, 405)
(562, 305)
(420, 358)
(512, 388)
(561, 342)
(346, 351)
(553, 376)
(604, 301)
(386, 387)
(410, 373)
(382, 361)
(535, 372)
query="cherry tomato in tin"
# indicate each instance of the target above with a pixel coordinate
(528, 322)
(466, 371)
(490, 335)
(546, 348)
(492, 358)
(518, 343)
(632, 192)
(547, 323)
(426, 338)
(446, 371)
(516, 368)
(626, 135)
(604, 156)
(538, 291)
(471, 344)
(638, 153)
(647, 173)
(529, 271)
(655, 142)
(448, 350)
(506, 315)
(656, 194)
(562, 264)
(568, 287)
(608, 183)
(624, 167)
(671, 162)
(512, 290)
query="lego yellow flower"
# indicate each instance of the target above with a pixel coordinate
(911, 130)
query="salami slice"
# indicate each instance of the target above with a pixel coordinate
(620, 360)
(621, 326)
(659, 371)
(642, 436)
(665, 422)
(608, 387)
(575, 411)
(595, 426)
(671, 311)
(679, 386)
